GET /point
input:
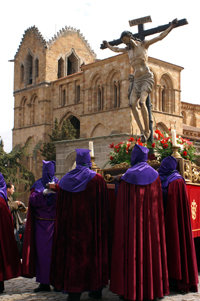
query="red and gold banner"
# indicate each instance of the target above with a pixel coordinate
(194, 203)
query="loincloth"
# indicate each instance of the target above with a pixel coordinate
(140, 84)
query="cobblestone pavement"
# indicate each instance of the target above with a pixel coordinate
(21, 289)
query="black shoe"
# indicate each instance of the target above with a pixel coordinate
(56, 290)
(42, 288)
(95, 294)
(182, 292)
(74, 297)
(1, 287)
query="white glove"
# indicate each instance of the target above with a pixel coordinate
(48, 191)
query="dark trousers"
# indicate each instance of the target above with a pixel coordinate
(1, 287)
(74, 296)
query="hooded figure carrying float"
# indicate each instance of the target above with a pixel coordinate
(139, 258)
(80, 246)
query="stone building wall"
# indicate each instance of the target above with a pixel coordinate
(166, 94)
(31, 48)
(191, 122)
(191, 114)
(67, 42)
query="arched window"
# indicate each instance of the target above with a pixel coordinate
(193, 119)
(63, 97)
(113, 89)
(78, 93)
(72, 63)
(162, 127)
(70, 128)
(70, 162)
(23, 112)
(33, 106)
(163, 100)
(76, 124)
(184, 117)
(60, 68)
(32, 112)
(22, 73)
(167, 101)
(36, 68)
(100, 98)
(116, 94)
(29, 69)
(98, 130)
(96, 96)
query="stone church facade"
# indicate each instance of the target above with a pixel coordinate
(62, 78)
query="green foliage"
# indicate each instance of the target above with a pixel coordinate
(12, 167)
(48, 151)
(67, 132)
(55, 136)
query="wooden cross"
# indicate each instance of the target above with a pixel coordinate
(141, 35)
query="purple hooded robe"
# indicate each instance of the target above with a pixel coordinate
(40, 227)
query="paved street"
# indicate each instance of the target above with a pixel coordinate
(21, 289)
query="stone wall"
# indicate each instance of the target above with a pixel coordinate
(66, 154)
(191, 114)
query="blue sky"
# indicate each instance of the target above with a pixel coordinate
(98, 20)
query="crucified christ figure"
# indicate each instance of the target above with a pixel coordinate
(143, 77)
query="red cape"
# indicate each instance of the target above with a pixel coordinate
(80, 246)
(29, 251)
(10, 266)
(181, 255)
(139, 259)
